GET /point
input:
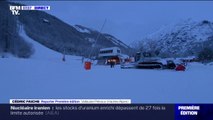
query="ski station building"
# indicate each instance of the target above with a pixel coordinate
(107, 55)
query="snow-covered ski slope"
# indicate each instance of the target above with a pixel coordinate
(42, 52)
(46, 76)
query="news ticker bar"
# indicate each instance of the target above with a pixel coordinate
(70, 101)
(86, 112)
(107, 111)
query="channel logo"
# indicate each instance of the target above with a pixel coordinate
(15, 10)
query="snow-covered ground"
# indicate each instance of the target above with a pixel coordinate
(46, 76)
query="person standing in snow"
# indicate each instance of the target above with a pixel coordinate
(112, 63)
(82, 60)
(63, 58)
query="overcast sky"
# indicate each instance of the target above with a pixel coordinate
(128, 21)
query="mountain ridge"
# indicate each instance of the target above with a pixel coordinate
(58, 35)
(186, 38)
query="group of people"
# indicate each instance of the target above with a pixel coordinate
(112, 63)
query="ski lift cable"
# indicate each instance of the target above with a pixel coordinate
(99, 34)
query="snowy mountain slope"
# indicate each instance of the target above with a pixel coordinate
(46, 76)
(58, 35)
(52, 33)
(200, 30)
(106, 39)
(183, 39)
(116, 41)
(82, 29)
(43, 53)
